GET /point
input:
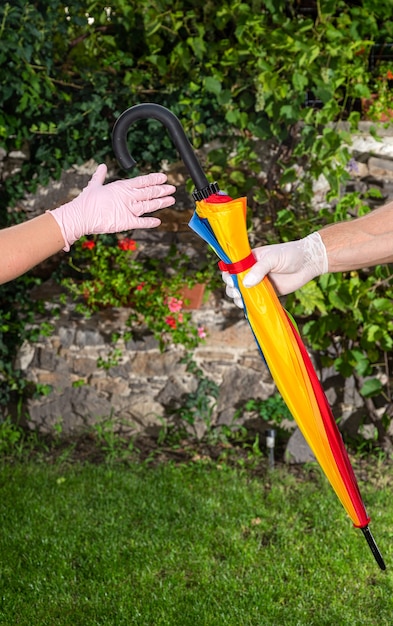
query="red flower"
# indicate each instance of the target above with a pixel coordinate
(88, 245)
(140, 286)
(127, 244)
(170, 320)
(389, 75)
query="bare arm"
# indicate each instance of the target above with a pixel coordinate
(112, 208)
(25, 245)
(363, 242)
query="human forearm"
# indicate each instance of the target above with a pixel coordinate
(25, 245)
(362, 242)
(117, 207)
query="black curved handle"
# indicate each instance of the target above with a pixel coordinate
(176, 131)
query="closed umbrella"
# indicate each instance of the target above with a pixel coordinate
(221, 222)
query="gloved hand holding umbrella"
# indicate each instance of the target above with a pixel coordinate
(289, 266)
(221, 222)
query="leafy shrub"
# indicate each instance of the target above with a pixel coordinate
(245, 75)
(109, 273)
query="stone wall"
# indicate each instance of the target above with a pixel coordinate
(145, 386)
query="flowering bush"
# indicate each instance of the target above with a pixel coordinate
(113, 275)
(379, 107)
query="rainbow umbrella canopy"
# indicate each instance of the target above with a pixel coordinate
(221, 222)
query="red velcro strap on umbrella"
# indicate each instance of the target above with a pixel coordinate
(239, 266)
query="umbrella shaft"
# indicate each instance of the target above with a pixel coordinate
(373, 547)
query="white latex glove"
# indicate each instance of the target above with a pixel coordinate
(113, 208)
(288, 265)
(231, 290)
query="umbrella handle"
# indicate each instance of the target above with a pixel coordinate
(150, 110)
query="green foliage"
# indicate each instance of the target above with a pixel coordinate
(352, 325)
(17, 442)
(195, 408)
(10, 436)
(267, 81)
(380, 104)
(346, 317)
(18, 323)
(109, 273)
(272, 410)
(111, 443)
(71, 87)
(69, 70)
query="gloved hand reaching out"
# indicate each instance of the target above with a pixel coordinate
(99, 209)
(113, 208)
(289, 266)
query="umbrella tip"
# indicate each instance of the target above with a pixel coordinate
(373, 547)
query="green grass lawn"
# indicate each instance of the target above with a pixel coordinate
(195, 544)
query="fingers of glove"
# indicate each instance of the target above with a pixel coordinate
(231, 290)
(148, 193)
(239, 303)
(147, 206)
(145, 222)
(98, 177)
(227, 278)
(140, 182)
(233, 293)
(282, 257)
(257, 273)
(236, 297)
(267, 258)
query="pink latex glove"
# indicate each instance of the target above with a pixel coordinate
(288, 265)
(114, 207)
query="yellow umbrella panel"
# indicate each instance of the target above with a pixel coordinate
(284, 352)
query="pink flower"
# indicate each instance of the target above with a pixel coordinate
(174, 304)
(127, 244)
(201, 332)
(180, 317)
(88, 245)
(170, 320)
